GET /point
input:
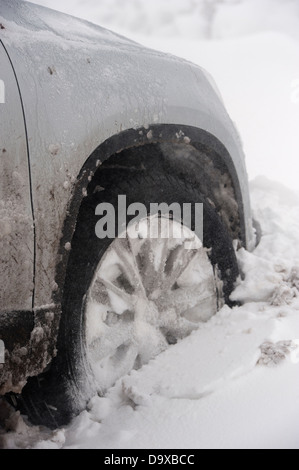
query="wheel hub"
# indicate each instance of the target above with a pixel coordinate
(146, 293)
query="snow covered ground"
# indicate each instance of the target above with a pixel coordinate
(234, 383)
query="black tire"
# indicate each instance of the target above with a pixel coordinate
(64, 390)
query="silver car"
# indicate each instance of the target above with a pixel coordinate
(86, 117)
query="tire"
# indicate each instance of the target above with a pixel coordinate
(54, 398)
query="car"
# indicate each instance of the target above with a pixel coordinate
(88, 116)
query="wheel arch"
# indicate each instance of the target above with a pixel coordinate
(207, 163)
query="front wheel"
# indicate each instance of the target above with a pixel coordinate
(127, 299)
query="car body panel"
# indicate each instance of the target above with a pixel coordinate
(16, 220)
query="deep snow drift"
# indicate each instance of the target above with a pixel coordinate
(235, 381)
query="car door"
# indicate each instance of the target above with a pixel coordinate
(16, 213)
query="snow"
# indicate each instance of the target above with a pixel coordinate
(233, 383)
